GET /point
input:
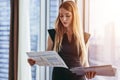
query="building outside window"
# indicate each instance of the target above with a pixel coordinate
(4, 38)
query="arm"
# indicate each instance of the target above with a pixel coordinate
(49, 44)
(49, 47)
(90, 74)
(86, 38)
(87, 61)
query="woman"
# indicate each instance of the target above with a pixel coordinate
(68, 40)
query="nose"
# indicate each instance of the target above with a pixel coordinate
(64, 18)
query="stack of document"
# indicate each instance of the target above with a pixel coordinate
(52, 59)
(104, 70)
(47, 58)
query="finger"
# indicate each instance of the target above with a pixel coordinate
(34, 62)
(31, 61)
(88, 75)
(91, 74)
(94, 74)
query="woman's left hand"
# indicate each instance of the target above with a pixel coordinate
(90, 74)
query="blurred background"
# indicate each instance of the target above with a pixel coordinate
(24, 25)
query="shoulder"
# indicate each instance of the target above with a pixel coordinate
(51, 30)
(52, 33)
(86, 37)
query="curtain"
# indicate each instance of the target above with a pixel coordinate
(104, 46)
(13, 52)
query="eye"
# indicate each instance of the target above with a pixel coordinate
(61, 16)
(68, 16)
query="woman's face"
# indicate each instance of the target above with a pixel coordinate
(65, 17)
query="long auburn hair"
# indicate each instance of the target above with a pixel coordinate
(76, 28)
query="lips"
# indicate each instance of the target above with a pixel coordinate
(64, 22)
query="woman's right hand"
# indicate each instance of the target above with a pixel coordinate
(31, 61)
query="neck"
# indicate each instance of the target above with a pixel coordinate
(69, 31)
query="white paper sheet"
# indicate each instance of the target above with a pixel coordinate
(52, 59)
(47, 58)
(105, 70)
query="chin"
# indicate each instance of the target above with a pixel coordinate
(65, 26)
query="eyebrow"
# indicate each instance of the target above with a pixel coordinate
(65, 13)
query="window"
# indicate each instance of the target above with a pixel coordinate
(53, 12)
(103, 26)
(4, 38)
(42, 17)
(34, 29)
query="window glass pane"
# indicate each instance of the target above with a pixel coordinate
(53, 12)
(4, 38)
(54, 5)
(34, 29)
(35, 24)
(105, 35)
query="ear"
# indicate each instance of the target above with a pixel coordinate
(86, 37)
